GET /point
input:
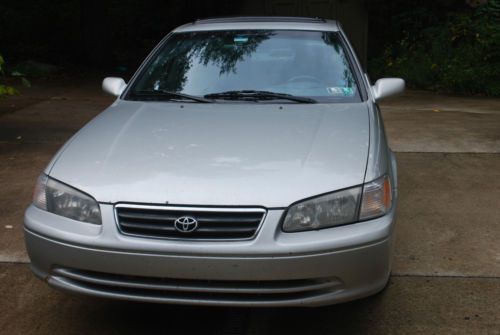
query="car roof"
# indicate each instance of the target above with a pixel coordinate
(260, 22)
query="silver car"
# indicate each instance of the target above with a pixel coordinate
(244, 164)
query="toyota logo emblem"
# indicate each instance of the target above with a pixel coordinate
(186, 224)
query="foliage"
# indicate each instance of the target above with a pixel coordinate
(7, 89)
(460, 53)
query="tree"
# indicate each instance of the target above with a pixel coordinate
(95, 33)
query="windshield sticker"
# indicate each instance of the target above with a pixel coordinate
(240, 39)
(341, 91)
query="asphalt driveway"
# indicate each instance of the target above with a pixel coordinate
(446, 273)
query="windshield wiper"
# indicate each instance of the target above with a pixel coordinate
(167, 95)
(258, 95)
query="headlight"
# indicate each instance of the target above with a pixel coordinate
(60, 199)
(359, 203)
(329, 210)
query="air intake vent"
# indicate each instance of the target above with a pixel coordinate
(205, 292)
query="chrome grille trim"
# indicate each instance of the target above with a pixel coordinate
(215, 223)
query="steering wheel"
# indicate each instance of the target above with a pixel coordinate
(304, 78)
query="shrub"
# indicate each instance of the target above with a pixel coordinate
(7, 89)
(460, 54)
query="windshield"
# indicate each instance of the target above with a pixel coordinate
(207, 63)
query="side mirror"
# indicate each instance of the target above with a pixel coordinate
(387, 87)
(113, 85)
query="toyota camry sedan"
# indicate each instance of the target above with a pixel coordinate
(244, 164)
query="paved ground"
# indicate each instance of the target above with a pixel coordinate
(446, 275)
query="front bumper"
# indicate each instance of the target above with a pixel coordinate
(274, 269)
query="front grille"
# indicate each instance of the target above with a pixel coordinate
(212, 224)
(246, 292)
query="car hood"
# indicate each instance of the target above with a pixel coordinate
(217, 154)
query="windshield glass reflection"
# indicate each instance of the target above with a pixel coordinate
(301, 63)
